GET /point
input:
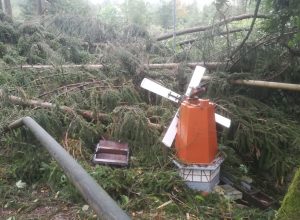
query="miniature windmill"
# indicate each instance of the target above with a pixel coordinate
(193, 127)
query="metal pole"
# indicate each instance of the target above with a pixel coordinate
(96, 197)
(174, 24)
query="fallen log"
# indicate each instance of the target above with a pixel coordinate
(190, 41)
(207, 65)
(89, 115)
(263, 84)
(153, 66)
(89, 66)
(209, 27)
(39, 103)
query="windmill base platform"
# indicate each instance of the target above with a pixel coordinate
(201, 177)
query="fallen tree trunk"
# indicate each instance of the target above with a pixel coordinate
(205, 28)
(89, 66)
(38, 103)
(208, 65)
(190, 41)
(153, 66)
(263, 84)
(89, 115)
(270, 85)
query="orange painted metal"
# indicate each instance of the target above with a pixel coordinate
(196, 138)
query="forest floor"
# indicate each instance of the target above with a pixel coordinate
(41, 204)
(262, 142)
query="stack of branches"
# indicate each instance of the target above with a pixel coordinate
(259, 134)
(93, 91)
(264, 137)
(31, 43)
(89, 29)
(117, 94)
(42, 47)
(92, 30)
(114, 92)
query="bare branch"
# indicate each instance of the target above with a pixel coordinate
(249, 32)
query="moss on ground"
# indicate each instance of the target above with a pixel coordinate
(290, 208)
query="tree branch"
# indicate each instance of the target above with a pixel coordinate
(250, 30)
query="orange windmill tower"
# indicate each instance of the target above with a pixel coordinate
(194, 130)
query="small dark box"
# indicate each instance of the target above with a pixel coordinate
(111, 153)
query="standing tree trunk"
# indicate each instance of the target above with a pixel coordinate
(1, 7)
(40, 7)
(7, 8)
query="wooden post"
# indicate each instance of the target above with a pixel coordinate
(89, 115)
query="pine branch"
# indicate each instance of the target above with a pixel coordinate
(250, 30)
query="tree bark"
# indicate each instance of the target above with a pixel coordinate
(89, 115)
(215, 34)
(40, 6)
(208, 65)
(209, 27)
(7, 8)
(269, 85)
(38, 103)
(262, 84)
(89, 66)
(1, 7)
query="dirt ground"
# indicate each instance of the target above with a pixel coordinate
(41, 203)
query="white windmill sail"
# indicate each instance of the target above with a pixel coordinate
(160, 90)
(196, 79)
(226, 122)
(172, 130)
(173, 96)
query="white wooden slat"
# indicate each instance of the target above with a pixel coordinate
(160, 90)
